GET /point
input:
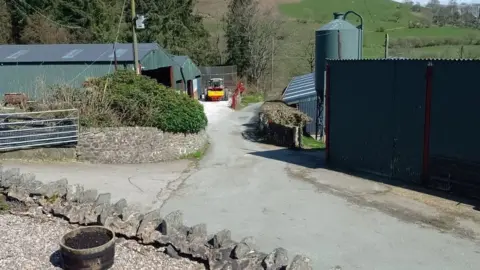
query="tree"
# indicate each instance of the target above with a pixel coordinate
(6, 23)
(250, 34)
(39, 30)
(309, 54)
(174, 25)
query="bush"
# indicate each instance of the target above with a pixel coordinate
(126, 99)
(142, 101)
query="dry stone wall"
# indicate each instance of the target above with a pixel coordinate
(136, 145)
(87, 207)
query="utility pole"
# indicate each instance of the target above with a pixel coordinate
(386, 45)
(134, 35)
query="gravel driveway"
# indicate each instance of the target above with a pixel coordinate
(32, 243)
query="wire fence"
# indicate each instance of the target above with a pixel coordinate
(23, 130)
(227, 73)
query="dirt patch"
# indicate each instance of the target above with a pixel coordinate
(87, 239)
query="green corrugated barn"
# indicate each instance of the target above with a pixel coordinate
(189, 72)
(31, 69)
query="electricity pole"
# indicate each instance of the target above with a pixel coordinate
(134, 35)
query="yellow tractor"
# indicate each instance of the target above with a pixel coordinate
(216, 90)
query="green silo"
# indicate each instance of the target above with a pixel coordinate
(338, 39)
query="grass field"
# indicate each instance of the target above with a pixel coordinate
(302, 18)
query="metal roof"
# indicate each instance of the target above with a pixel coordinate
(180, 59)
(72, 52)
(299, 88)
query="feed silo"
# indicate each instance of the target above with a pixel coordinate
(338, 39)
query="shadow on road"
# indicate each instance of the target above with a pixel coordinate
(456, 195)
(312, 159)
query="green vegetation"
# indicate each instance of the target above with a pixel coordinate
(197, 155)
(3, 204)
(310, 143)
(53, 198)
(171, 23)
(126, 99)
(414, 31)
(253, 35)
(250, 98)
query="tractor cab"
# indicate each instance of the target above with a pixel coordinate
(215, 84)
(216, 89)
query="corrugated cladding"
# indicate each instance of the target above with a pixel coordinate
(185, 69)
(31, 69)
(62, 53)
(300, 87)
(301, 91)
(418, 130)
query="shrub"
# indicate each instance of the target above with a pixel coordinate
(126, 99)
(142, 101)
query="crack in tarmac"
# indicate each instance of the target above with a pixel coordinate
(184, 175)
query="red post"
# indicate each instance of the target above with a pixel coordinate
(327, 113)
(427, 124)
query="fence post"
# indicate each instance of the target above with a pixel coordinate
(427, 124)
(327, 113)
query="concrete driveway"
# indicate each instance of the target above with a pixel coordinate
(145, 185)
(284, 198)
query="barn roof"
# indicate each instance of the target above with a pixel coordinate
(72, 52)
(299, 88)
(180, 59)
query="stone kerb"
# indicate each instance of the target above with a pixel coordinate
(87, 207)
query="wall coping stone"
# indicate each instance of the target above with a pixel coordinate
(87, 207)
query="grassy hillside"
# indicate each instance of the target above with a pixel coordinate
(302, 18)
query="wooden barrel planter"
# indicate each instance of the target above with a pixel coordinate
(88, 248)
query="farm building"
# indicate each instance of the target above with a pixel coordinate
(300, 93)
(30, 68)
(189, 73)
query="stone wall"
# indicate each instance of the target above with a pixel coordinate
(87, 207)
(287, 136)
(136, 145)
(42, 154)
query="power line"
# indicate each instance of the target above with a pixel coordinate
(46, 17)
(116, 38)
(118, 31)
